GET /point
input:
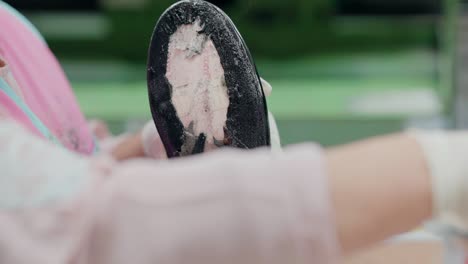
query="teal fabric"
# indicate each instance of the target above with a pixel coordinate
(96, 146)
(23, 19)
(20, 103)
(32, 117)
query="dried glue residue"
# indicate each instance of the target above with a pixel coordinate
(199, 91)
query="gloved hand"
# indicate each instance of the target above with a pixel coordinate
(274, 132)
(154, 148)
(447, 158)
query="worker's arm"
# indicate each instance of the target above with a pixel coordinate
(380, 187)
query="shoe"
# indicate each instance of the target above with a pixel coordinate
(204, 89)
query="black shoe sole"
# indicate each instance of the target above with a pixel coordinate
(246, 123)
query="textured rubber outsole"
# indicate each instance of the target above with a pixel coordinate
(246, 123)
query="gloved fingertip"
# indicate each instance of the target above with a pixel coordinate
(267, 89)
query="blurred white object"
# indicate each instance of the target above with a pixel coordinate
(454, 251)
(446, 154)
(267, 89)
(275, 138)
(412, 102)
(35, 172)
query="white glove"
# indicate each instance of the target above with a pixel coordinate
(274, 132)
(447, 157)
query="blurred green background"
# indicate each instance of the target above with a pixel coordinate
(341, 70)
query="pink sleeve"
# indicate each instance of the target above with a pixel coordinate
(226, 207)
(44, 86)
